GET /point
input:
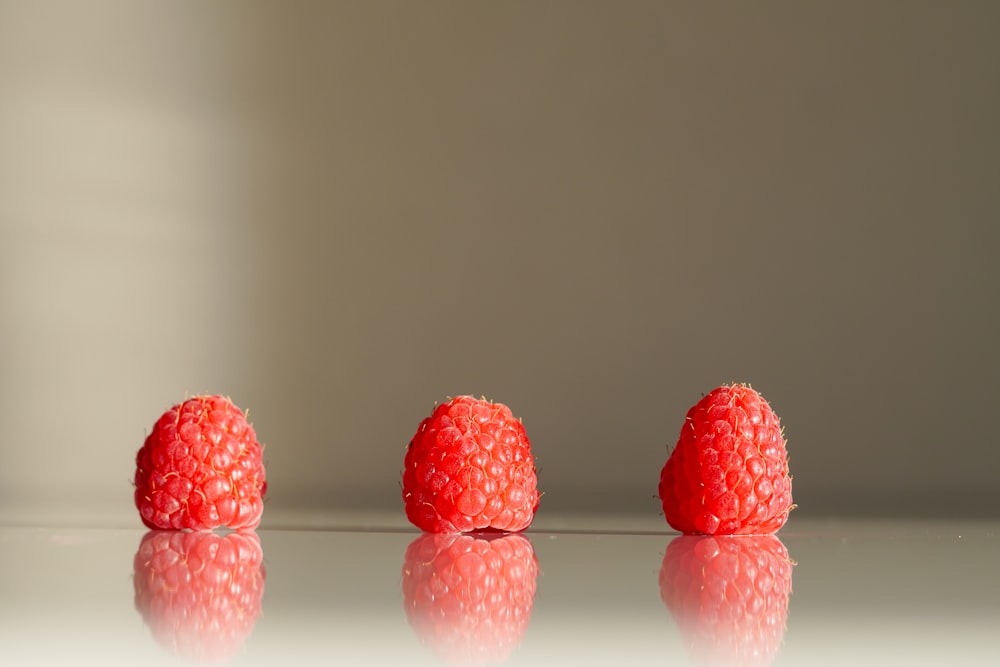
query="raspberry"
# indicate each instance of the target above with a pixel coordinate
(469, 598)
(199, 593)
(469, 467)
(201, 468)
(728, 473)
(728, 596)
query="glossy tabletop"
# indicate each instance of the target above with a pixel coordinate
(573, 590)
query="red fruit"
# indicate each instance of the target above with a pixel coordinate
(728, 473)
(199, 593)
(728, 596)
(469, 598)
(469, 467)
(201, 468)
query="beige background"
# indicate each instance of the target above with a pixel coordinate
(341, 213)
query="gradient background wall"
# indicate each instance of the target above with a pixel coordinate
(341, 213)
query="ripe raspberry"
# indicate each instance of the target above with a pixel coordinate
(199, 593)
(469, 598)
(728, 473)
(469, 467)
(728, 596)
(201, 468)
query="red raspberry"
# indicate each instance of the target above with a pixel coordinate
(728, 596)
(201, 468)
(728, 473)
(469, 598)
(469, 467)
(199, 593)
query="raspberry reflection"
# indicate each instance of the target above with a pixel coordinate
(728, 596)
(199, 593)
(469, 597)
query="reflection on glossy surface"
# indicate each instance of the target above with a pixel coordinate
(729, 596)
(469, 598)
(910, 593)
(199, 593)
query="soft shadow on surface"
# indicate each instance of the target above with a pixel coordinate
(469, 597)
(199, 593)
(728, 596)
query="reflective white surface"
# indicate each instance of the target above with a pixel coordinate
(863, 592)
